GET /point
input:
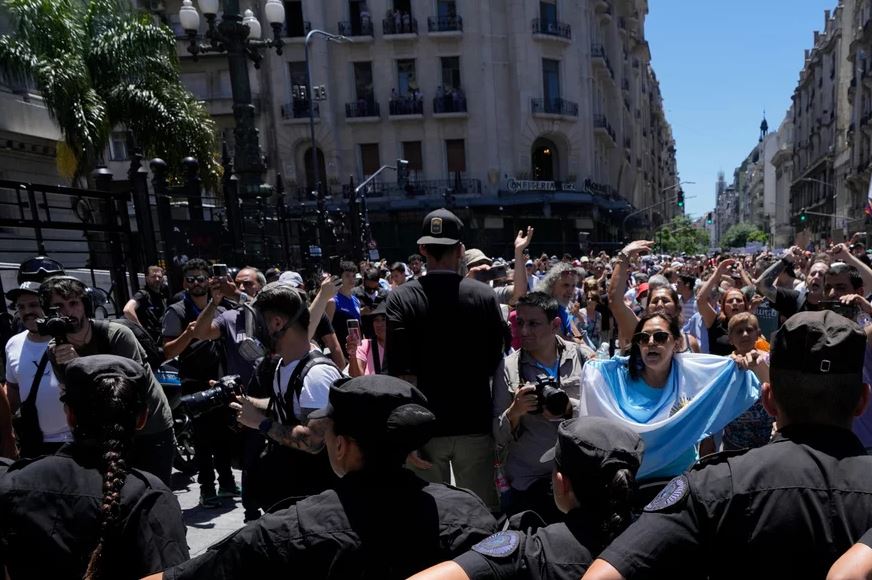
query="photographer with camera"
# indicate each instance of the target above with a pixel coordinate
(534, 389)
(75, 334)
(30, 382)
(284, 390)
(148, 305)
(201, 361)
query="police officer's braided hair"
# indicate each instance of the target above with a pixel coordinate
(617, 514)
(108, 414)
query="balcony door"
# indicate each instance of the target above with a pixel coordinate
(363, 88)
(548, 11)
(407, 80)
(550, 81)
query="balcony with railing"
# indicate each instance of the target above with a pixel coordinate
(362, 110)
(360, 30)
(421, 188)
(551, 30)
(399, 28)
(600, 59)
(554, 106)
(450, 104)
(445, 26)
(407, 107)
(298, 109)
(602, 128)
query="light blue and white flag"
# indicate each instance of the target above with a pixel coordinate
(702, 395)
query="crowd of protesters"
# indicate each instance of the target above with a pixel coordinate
(616, 415)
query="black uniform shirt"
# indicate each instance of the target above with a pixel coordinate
(449, 332)
(49, 520)
(374, 525)
(785, 510)
(556, 552)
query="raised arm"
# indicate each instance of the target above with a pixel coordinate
(766, 282)
(705, 308)
(522, 242)
(624, 316)
(319, 304)
(841, 252)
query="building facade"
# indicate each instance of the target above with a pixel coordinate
(511, 112)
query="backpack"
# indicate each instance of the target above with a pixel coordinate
(153, 354)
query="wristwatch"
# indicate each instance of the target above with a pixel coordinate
(622, 255)
(265, 425)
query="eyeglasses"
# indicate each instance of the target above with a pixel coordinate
(659, 336)
(191, 279)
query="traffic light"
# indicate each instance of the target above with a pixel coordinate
(708, 219)
(803, 217)
(680, 200)
(402, 173)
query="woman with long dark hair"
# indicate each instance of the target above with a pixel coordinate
(83, 513)
(594, 478)
(733, 301)
(672, 400)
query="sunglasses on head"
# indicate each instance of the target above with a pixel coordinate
(192, 279)
(659, 336)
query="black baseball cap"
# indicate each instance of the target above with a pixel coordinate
(380, 409)
(23, 288)
(587, 445)
(819, 343)
(81, 373)
(441, 227)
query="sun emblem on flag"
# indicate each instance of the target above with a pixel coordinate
(681, 403)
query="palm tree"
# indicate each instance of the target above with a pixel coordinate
(100, 64)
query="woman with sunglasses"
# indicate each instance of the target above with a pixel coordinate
(661, 299)
(733, 301)
(672, 400)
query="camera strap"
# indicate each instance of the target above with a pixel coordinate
(559, 364)
(30, 400)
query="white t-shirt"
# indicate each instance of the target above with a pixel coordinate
(22, 360)
(316, 387)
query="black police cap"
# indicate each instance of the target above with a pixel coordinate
(441, 227)
(380, 408)
(81, 373)
(587, 445)
(819, 343)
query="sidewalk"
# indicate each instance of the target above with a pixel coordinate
(206, 525)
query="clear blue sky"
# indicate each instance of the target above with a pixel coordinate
(720, 64)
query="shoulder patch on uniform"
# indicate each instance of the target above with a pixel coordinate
(674, 492)
(499, 545)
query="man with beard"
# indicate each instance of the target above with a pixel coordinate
(154, 444)
(787, 301)
(201, 361)
(24, 357)
(148, 305)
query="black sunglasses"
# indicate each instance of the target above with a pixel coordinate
(192, 279)
(660, 337)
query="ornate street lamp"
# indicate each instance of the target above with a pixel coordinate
(239, 37)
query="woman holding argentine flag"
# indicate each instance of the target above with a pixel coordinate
(673, 401)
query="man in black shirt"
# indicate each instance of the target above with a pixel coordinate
(785, 510)
(445, 334)
(148, 305)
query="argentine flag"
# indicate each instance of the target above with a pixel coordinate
(702, 395)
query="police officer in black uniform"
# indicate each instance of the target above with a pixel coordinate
(785, 510)
(381, 521)
(595, 464)
(84, 508)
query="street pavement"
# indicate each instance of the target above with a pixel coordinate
(206, 525)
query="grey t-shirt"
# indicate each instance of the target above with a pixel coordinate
(122, 342)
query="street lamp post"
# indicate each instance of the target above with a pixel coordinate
(316, 170)
(238, 36)
(653, 205)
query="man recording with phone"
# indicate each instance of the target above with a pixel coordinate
(75, 334)
(535, 388)
(201, 361)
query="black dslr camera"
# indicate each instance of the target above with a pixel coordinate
(550, 396)
(221, 395)
(55, 326)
